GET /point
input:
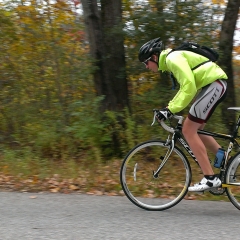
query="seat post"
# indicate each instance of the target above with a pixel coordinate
(235, 131)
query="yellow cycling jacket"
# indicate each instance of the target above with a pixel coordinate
(180, 63)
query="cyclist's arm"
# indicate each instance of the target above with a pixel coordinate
(181, 70)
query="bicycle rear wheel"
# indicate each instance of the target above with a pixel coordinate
(232, 176)
(155, 193)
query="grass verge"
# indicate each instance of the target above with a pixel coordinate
(34, 175)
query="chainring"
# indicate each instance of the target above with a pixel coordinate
(219, 190)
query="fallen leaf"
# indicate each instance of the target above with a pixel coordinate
(33, 197)
(73, 187)
(54, 190)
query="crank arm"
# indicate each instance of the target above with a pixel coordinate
(225, 185)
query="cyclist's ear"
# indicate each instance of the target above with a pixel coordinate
(155, 57)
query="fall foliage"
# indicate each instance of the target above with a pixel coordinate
(48, 99)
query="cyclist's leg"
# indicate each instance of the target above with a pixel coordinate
(210, 143)
(197, 146)
(200, 112)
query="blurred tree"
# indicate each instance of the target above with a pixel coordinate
(46, 75)
(225, 61)
(105, 33)
(173, 21)
(41, 50)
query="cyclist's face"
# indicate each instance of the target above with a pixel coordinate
(151, 63)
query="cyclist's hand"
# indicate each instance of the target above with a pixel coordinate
(164, 114)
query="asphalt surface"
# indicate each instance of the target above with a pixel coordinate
(78, 216)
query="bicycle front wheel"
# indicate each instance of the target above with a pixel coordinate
(147, 190)
(232, 176)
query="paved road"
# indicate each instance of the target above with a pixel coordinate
(79, 216)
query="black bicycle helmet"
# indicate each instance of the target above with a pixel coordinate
(149, 48)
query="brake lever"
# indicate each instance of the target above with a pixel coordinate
(154, 117)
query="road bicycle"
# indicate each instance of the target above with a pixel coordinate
(145, 172)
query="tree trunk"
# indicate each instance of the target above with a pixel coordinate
(225, 61)
(114, 59)
(165, 80)
(95, 37)
(107, 48)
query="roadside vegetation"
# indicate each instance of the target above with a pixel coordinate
(68, 117)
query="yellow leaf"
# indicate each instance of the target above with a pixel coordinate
(54, 190)
(218, 2)
(73, 187)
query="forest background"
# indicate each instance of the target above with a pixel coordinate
(74, 97)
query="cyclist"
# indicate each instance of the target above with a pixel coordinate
(210, 79)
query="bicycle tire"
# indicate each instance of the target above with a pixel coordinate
(147, 192)
(232, 175)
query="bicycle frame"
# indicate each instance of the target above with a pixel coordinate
(178, 136)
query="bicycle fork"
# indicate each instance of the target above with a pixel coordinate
(167, 155)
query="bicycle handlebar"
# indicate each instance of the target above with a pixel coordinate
(162, 122)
